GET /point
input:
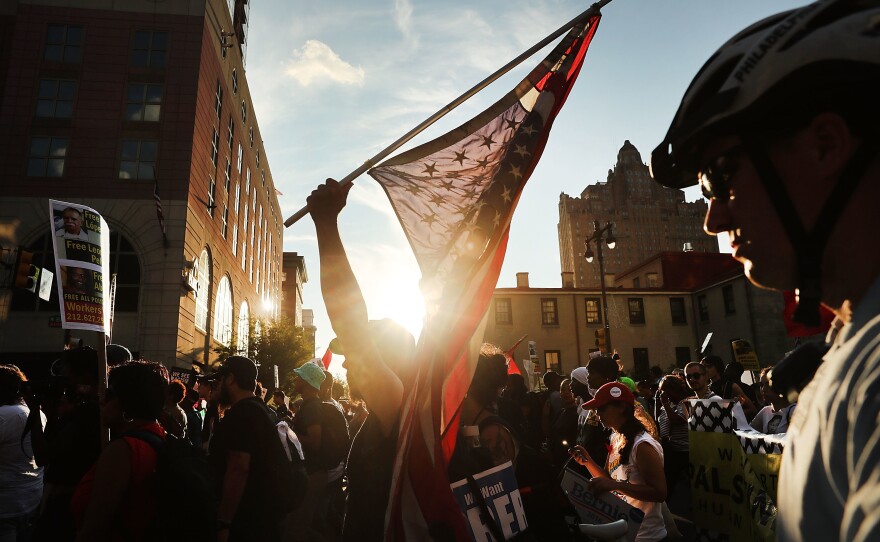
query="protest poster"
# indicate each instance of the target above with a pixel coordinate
(745, 354)
(500, 492)
(733, 491)
(82, 247)
(599, 509)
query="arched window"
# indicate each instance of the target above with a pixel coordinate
(223, 312)
(124, 263)
(242, 331)
(203, 277)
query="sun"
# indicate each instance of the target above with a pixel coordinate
(407, 308)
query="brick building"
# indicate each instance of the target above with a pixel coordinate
(106, 103)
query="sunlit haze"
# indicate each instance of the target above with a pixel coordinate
(335, 82)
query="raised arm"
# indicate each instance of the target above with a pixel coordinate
(380, 388)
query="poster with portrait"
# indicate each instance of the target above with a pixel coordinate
(82, 246)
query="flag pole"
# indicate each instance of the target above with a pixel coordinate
(348, 179)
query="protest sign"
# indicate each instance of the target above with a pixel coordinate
(82, 248)
(599, 509)
(733, 491)
(745, 354)
(498, 489)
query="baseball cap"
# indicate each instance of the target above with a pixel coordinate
(612, 391)
(242, 368)
(311, 373)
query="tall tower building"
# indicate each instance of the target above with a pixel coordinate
(647, 218)
(117, 105)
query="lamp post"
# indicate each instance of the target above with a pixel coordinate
(601, 233)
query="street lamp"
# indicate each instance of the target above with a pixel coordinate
(601, 233)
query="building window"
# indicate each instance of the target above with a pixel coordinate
(234, 239)
(636, 310)
(212, 194)
(228, 173)
(594, 316)
(552, 360)
(55, 98)
(503, 312)
(251, 137)
(244, 219)
(682, 356)
(215, 144)
(203, 276)
(729, 303)
(641, 364)
(241, 163)
(549, 315)
(242, 332)
(637, 282)
(703, 308)
(218, 100)
(144, 102)
(653, 280)
(243, 112)
(63, 43)
(230, 131)
(676, 308)
(46, 156)
(149, 49)
(237, 197)
(138, 160)
(225, 220)
(257, 158)
(223, 312)
(234, 81)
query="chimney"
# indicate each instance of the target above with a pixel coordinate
(522, 280)
(568, 279)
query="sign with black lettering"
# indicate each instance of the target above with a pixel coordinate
(82, 240)
(599, 509)
(499, 490)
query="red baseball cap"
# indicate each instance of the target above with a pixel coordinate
(612, 391)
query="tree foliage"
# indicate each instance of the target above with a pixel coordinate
(272, 342)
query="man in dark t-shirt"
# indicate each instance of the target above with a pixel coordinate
(243, 457)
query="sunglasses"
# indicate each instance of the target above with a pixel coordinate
(695, 376)
(715, 176)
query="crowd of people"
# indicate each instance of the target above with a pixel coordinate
(779, 128)
(60, 484)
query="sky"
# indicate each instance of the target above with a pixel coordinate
(335, 82)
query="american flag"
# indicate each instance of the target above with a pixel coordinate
(455, 198)
(159, 213)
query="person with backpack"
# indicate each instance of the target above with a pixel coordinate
(115, 499)
(247, 459)
(314, 425)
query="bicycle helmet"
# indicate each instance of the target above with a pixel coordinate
(772, 78)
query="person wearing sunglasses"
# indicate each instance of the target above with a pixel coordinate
(781, 129)
(698, 380)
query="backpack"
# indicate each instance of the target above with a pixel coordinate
(335, 442)
(295, 480)
(181, 472)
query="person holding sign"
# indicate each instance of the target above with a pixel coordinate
(634, 469)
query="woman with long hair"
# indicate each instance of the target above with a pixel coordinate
(634, 468)
(115, 499)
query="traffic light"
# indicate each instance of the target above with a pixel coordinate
(27, 275)
(600, 339)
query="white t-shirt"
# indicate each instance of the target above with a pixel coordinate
(829, 482)
(771, 422)
(653, 528)
(21, 480)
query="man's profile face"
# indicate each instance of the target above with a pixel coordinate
(756, 234)
(72, 221)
